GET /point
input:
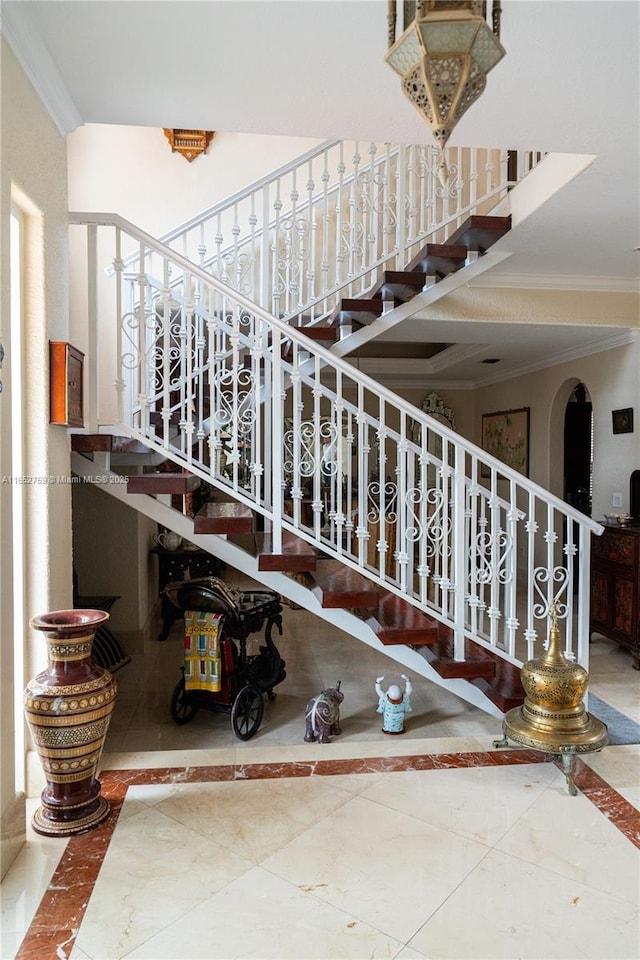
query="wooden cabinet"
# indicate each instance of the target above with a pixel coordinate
(65, 384)
(615, 587)
(181, 564)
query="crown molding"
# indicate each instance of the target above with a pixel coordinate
(621, 339)
(406, 376)
(36, 61)
(525, 281)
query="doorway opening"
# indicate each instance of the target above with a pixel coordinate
(578, 450)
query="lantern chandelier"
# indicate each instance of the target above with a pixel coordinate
(443, 58)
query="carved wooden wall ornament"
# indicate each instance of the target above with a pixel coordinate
(189, 143)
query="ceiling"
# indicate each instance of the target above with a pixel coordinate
(570, 83)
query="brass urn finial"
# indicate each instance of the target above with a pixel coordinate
(554, 648)
(553, 717)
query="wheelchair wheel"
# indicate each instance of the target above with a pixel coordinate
(182, 708)
(247, 712)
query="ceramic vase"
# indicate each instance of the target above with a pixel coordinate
(68, 707)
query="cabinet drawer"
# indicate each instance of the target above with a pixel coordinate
(616, 547)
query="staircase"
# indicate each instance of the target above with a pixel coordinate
(325, 485)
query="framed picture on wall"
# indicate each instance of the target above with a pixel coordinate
(505, 435)
(623, 420)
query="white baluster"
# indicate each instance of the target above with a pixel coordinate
(307, 289)
(401, 223)
(531, 526)
(459, 553)
(119, 380)
(92, 328)
(569, 551)
(277, 430)
(584, 609)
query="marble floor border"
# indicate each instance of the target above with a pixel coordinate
(59, 916)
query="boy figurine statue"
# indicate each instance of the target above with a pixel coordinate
(393, 705)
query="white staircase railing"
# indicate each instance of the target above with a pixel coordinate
(323, 226)
(260, 411)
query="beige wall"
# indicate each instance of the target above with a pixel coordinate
(612, 379)
(34, 175)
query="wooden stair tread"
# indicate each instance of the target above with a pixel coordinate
(105, 443)
(459, 669)
(159, 483)
(479, 233)
(297, 555)
(363, 311)
(216, 517)
(497, 678)
(441, 657)
(400, 284)
(504, 698)
(343, 587)
(320, 332)
(439, 259)
(398, 622)
(505, 688)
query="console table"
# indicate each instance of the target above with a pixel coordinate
(183, 564)
(615, 587)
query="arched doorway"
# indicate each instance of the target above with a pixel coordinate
(578, 450)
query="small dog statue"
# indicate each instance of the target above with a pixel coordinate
(322, 715)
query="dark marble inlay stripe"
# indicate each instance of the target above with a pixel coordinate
(609, 802)
(55, 925)
(57, 921)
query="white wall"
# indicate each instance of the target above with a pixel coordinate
(132, 171)
(34, 173)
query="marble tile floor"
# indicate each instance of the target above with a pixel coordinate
(465, 854)
(432, 845)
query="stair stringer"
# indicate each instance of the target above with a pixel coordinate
(233, 555)
(404, 311)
